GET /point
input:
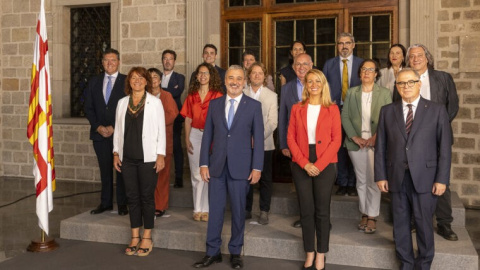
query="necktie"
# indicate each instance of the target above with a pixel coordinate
(109, 89)
(344, 79)
(231, 112)
(409, 121)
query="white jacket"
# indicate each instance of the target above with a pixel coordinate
(153, 132)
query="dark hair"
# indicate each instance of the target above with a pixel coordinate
(156, 70)
(109, 51)
(257, 64)
(210, 46)
(142, 72)
(377, 68)
(404, 52)
(298, 41)
(248, 52)
(214, 83)
(172, 52)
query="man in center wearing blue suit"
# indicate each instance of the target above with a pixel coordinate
(342, 74)
(231, 158)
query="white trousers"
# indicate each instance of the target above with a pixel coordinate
(200, 188)
(368, 192)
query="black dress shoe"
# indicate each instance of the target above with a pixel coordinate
(352, 191)
(341, 191)
(236, 261)
(446, 232)
(178, 185)
(297, 224)
(101, 209)
(208, 260)
(122, 210)
(159, 213)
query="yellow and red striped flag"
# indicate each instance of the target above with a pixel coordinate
(39, 129)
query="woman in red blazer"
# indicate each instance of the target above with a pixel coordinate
(314, 137)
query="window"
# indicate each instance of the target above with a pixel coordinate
(243, 36)
(373, 36)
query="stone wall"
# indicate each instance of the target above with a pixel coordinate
(455, 20)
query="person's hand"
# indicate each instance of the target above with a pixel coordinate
(438, 189)
(359, 141)
(189, 146)
(254, 177)
(117, 164)
(109, 131)
(205, 174)
(103, 131)
(286, 152)
(311, 169)
(370, 142)
(159, 163)
(383, 185)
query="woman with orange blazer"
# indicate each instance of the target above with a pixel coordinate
(314, 137)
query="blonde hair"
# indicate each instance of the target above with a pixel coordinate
(325, 99)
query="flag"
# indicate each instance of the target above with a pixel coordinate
(39, 129)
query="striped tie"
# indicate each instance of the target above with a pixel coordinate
(409, 121)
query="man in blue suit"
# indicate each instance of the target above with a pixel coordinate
(231, 158)
(342, 74)
(174, 83)
(101, 98)
(413, 154)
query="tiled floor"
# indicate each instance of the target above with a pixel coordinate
(18, 226)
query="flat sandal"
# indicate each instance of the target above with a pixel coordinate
(369, 230)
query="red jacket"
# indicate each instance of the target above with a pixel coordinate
(328, 136)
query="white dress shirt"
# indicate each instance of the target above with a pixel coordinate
(414, 108)
(105, 82)
(166, 80)
(235, 104)
(425, 89)
(253, 94)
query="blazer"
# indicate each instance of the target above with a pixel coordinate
(288, 97)
(352, 112)
(331, 69)
(387, 79)
(171, 112)
(153, 132)
(176, 86)
(442, 91)
(426, 152)
(97, 112)
(268, 99)
(328, 136)
(241, 146)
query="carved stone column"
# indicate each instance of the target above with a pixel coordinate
(423, 27)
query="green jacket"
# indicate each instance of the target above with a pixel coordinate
(352, 112)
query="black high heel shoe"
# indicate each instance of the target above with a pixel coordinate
(311, 267)
(324, 263)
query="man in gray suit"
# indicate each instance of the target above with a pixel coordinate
(412, 162)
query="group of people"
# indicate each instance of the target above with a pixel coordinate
(337, 125)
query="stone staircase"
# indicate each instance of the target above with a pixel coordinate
(279, 239)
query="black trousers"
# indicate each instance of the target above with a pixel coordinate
(104, 151)
(178, 151)
(444, 209)
(314, 195)
(265, 185)
(140, 182)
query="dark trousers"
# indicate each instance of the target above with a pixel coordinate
(178, 151)
(265, 185)
(346, 173)
(444, 209)
(217, 198)
(314, 195)
(140, 183)
(422, 205)
(104, 151)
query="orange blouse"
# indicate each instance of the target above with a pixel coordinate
(194, 109)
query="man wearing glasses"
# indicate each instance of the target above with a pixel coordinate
(342, 73)
(439, 87)
(413, 154)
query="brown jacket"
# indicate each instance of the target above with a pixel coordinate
(171, 112)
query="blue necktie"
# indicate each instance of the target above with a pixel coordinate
(109, 89)
(231, 112)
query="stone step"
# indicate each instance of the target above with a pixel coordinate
(284, 202)
(177, 230)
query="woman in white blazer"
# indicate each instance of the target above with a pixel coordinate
(139, 151)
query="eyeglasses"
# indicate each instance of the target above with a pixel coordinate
(206, 73)
(368, 70)
(348, 43)
(409, 83)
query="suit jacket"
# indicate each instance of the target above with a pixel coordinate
(241, 146)
(442, 91)
(171, 112)
(153, 132)
(352, 112)
(288, 97)
(221, 73)
(176, 86)
(331, 69)
(427, 151)
(98, 113)
(268, 98)
(328, 136)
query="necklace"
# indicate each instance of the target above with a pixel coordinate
(139, 105)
